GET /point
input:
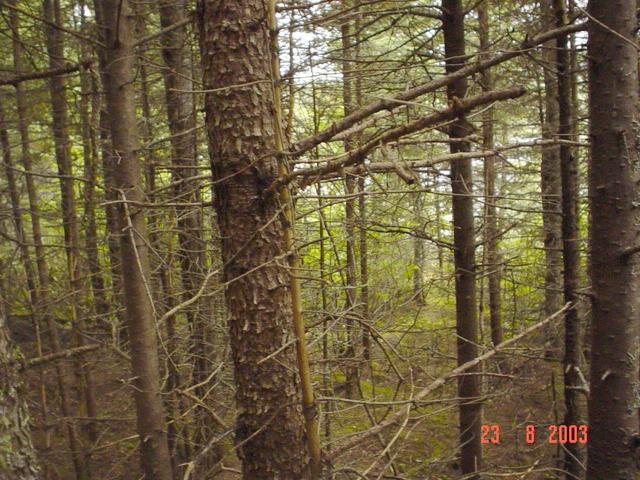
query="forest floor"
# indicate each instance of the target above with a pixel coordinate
(524, 392)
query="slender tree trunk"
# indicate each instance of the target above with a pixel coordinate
(613, 194)
(551, 188)
(59, 116)
(117, 62)
(364, 267)
(574, 455)
(89, 112)
(351, 380)
(242, 131)
(418, 256)
(36, 230)
(62, 145)
(490, 198)
(119, 329)
(464, 242)
(179, 100)
(162, 282)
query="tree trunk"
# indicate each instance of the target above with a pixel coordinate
(574, 455)
(418, 255)
(551, 188)
(464, 242)
(180, 115)
(18, 460)
(60, 121)
(490, 198)
(364, 268)
(241, 125)
(347, 65)
(117, 63)
(613, 194)
(89, 115)
(36, 230)
(25, 257)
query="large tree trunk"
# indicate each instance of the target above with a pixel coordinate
(18, 459)
(551, 188)
(574, 454)
(613, 193)
(464, 242)
(117, 63)
(241, 125)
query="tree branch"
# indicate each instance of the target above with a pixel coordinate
(70, 68)
(72, 352)
(356, 116)
(399, 415)
(357, 155)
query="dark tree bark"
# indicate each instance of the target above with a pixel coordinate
(117, 63)
(551, 188)
(613, 194)
(464, 243)
(241, 126)
(574, 454)
(490, 213)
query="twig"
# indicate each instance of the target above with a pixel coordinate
(359, 438)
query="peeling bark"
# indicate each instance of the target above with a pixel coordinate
(235, 45)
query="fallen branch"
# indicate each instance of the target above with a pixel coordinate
(72, 352)
(399, 415)
(54, 72)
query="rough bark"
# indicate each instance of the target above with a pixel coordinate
(613, 194)
(18, 460)
(464, 242)
(241, 128)
(364, 267)
(117, 63)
